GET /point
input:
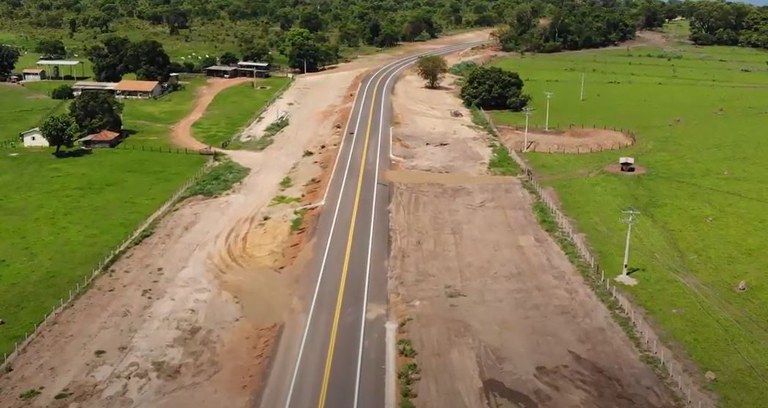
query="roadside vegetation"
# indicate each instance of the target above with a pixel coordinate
(219, 179)
(234, 108)
(697, 114)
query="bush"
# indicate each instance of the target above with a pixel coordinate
(62, 92)
(494, 88)
(463, 68)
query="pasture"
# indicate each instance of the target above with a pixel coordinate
(699, 114)
(60, 217)
(234, 108)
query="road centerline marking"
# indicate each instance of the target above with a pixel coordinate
(348, 252)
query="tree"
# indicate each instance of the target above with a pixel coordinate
(62, 92)
(258, 51)
(432, 68)
(8, 58)
(228, 58)
(60, 130)
(51, 49)
(108, 59)
(304, 51)
(494, 88)
(96, 111)
(148, 60)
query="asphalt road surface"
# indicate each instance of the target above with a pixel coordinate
(339, 362)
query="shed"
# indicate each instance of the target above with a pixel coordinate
(33, 74)
(221, 71)
(254, 69)
(138, 89)
(55, 64)
(627, 164)
(33, 138)
(105, 138)
(86, 86)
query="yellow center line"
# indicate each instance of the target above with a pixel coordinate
(345, 267)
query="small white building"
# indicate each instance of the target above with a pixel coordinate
(33, 74)
(33, 138)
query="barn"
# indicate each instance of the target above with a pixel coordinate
(34, 74)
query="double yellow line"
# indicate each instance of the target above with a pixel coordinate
(347, 255)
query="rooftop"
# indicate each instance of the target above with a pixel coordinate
(33, 71)
(253, 64)
(94, 85)
(221, 68)
(136, 86)
(58, 62)
(103, 136)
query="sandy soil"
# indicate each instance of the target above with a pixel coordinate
(189, 317)
(181, 133)
(428, 137)
(500, 317)
(569, 141)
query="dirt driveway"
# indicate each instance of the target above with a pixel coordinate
(500, 317)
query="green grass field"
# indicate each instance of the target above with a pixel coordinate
(60, 217)
(233, 109)
(699, 115)
(22, 109)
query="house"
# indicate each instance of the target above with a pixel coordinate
(138, 89)
(105, 138)
(253, 69)
(33, 138)
(222, 71)
(90, 86)
(34, 74)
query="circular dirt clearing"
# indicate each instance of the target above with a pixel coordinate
(569, 141)
(615, 168)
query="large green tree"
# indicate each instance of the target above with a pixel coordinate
(432, 68)
(96, 111)
(494, 88)
(60, 130)
(52, 49)
(8, 58)
(305, 52)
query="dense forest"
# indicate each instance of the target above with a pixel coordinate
(313, 31)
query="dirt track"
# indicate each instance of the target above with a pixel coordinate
(500, 317)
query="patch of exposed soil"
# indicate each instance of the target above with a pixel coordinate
(427, 136)
(615, 168)
(570, 141)
(498, 307)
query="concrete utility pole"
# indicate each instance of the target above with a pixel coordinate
(546, 122)
(624, 277)
(305, 65)
(581, 94)
(527, 112)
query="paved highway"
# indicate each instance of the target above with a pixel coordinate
(339, 362)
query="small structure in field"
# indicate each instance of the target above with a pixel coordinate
(90, 86)
(627, 164)
(222, 71)
(34, 74)
(55, 64)
(130, 89)
(33, 138)
(254, 69)
(105, 138)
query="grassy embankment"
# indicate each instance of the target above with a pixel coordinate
(699, 116)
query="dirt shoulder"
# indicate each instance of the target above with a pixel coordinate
(500, 316)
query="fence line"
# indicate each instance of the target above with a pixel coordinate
(80, 288)
(648, 340)
(533, 147)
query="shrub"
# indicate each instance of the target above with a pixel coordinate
(62, 92)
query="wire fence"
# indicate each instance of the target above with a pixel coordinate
(156, 149)
(535, 146)
(109, 259)
(691, 394)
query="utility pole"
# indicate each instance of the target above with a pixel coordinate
(305, 65)
(546, 122)
(581, 94)
(624, 277)
(527, 111)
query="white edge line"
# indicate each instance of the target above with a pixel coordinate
(392, 76)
